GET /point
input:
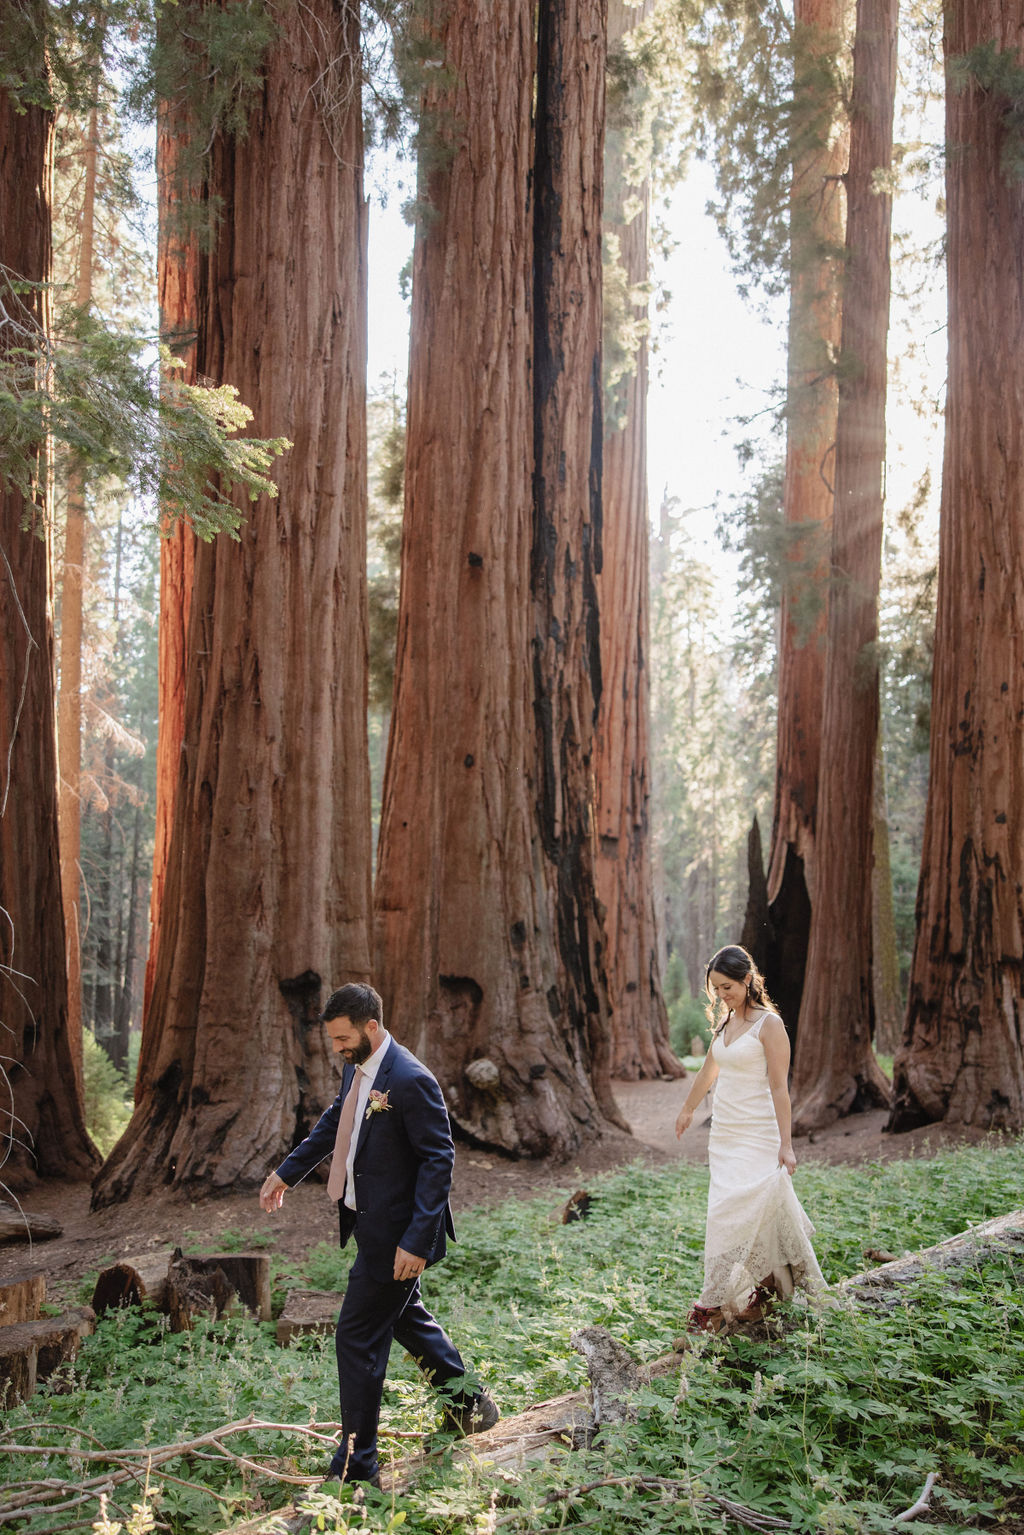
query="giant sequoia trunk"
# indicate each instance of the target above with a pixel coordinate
(961, 1053)
(266, 901)
(566, 554)
(835, 1071)
(42, 1127)
(817, 221)
(178, 269)
(640, 1046)
(486, 945)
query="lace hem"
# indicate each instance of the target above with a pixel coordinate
(731, 1273)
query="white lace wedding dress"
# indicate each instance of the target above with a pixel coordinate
(756, 1225)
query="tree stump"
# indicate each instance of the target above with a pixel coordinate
(216, 1285)
(22, 1226)
(132, 1282)
(21, 1298)
(308, 1311)
(31, 1351)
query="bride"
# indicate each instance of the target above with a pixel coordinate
(758, 1243)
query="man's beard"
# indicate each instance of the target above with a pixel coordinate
(361, 1052)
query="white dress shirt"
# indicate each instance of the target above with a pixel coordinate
(365, 1077)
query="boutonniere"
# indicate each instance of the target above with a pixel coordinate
(378, 1103)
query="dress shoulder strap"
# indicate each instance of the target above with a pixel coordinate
(755, 1029)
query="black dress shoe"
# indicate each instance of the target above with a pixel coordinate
(349, 1481)
(475, 1416)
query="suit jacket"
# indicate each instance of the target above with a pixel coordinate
(403, 1165)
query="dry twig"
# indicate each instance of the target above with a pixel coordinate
(752, 1518)
(922, 1504)
(51, 1495)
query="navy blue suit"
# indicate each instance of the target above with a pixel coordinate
(403, 1172)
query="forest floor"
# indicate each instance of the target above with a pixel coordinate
(170, 1218)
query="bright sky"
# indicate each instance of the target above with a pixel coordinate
(717, 358)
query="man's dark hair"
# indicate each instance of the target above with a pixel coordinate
(360, 1003)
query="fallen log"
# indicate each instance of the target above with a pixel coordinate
(30, 1352)
(23, 1226)
(879, 1287)
(21, 1298)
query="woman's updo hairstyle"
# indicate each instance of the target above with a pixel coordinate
(736, 964)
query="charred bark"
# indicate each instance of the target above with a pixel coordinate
(960, 1059)
(567, 483)
(267, 889)
(834, 1071)
(625, 883)
(42, 1125)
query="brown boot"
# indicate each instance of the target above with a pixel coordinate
(705, 1319)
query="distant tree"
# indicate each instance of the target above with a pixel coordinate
(118, 766)
(267, 895)
(713, 733)
(69, 696)
(834, 1071)
(42, 1123)
(960, 1059)
(625, 883)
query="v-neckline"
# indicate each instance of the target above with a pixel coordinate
(728, 1044)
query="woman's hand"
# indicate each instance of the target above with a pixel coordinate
(787, 1159)
(683, 1121)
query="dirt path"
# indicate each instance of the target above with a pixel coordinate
(170, 1219)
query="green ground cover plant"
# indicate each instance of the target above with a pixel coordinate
(831, 1426)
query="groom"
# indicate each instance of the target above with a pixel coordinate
(391, 1171)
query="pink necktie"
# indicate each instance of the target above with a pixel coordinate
(339, 1161)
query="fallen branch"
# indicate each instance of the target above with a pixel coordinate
(752, 1518)
(48, 1495)
(923, 1503)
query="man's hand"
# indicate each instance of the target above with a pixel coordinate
(407, 1265)
(272, 1193)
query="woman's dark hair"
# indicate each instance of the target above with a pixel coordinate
(736, 964)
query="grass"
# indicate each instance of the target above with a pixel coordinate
(833, 1426)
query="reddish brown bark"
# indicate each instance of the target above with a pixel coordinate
(818, 209)
(43, 1112)
(567, 491)
(961, 1054)
(639, 1020)
(479, 972)
(267, 896)
(178, 279)
(834, 1070)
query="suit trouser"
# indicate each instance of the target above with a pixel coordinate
(372, 1314)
